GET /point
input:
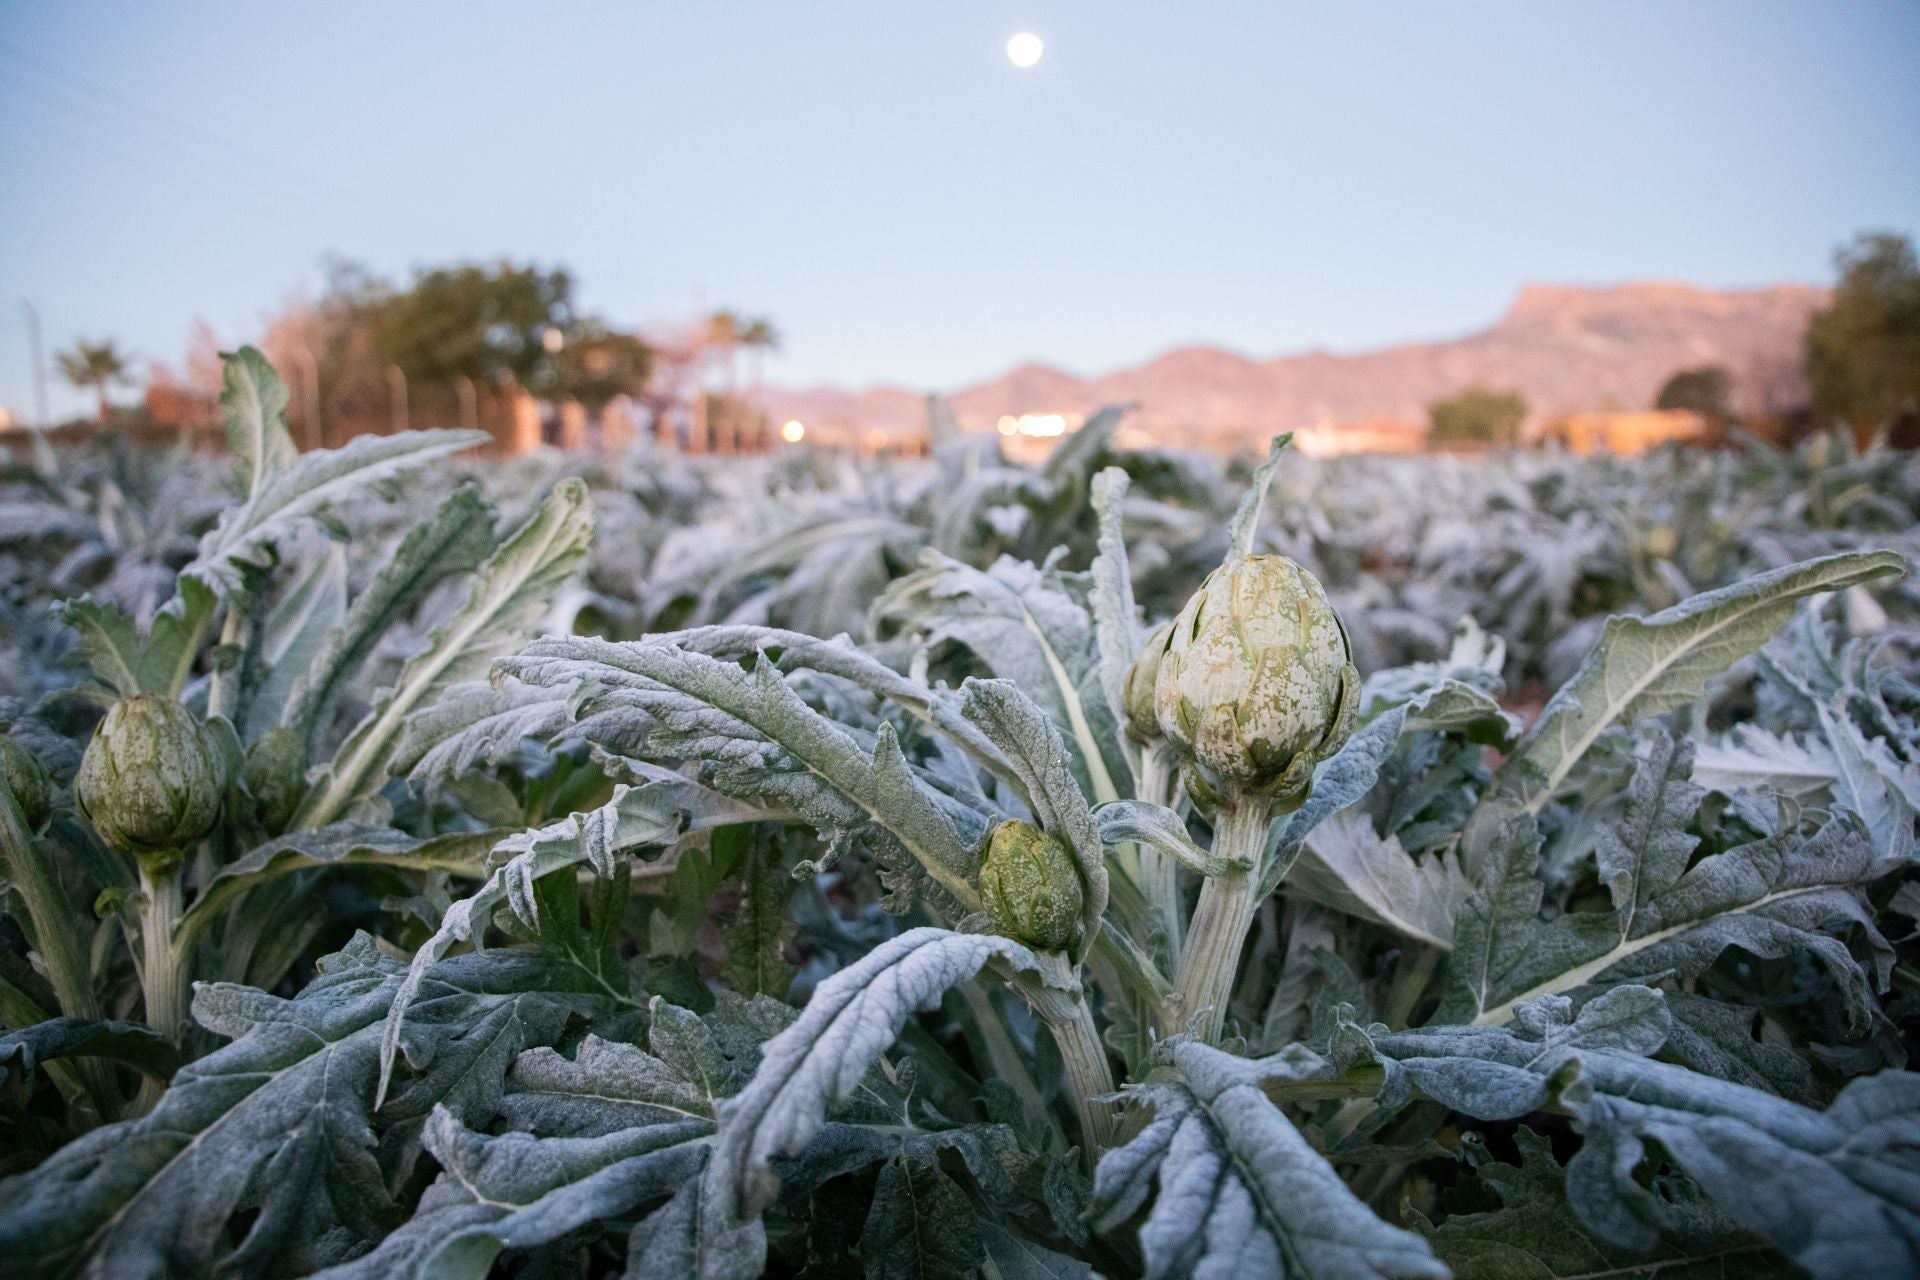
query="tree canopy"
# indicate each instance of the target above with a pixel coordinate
(1477, 415)
(1863, 352)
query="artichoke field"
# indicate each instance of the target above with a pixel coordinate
(808, 866)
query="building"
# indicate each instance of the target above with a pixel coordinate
(1626, 432)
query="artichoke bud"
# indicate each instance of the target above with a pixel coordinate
(1143, 726)
(1031, 887)
(28, 781)
(152, 779)
(276, 777)
(1258, 684)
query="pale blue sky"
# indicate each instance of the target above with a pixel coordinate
(909, 207)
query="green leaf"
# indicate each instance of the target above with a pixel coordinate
(1835, 1191)
(302, 490)
(1643, 666)
(652, 816)
(921, 1227)
(133, 1043)
(1350, 867)
(1116, 626)
(759, 928)
(820, 1060)
(517, 1191)
(755, 739)
(1772, 896)
(457, 538)
(255, 403)
(1242, 1196)
(270, 1139)
(1536, 1234)
(508, 594)
(1246, 517)
(338, 844)
(128, 663)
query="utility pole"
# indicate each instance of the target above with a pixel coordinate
(39, 358)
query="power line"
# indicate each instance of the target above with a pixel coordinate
(197, 142)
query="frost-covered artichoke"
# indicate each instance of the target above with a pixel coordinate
(1258, 684)
(276, 776)
(152, 778)
(28, 781)
(1031, 886)
(1143, 725)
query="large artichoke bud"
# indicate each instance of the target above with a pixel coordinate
(1258, 684)
(1143, 725)
(27, 779)
(1031, 886)
(152, 778)
(276, 776)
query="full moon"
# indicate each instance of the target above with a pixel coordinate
(1024, 49)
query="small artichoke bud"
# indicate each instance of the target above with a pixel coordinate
(27, 779)
(1143, 726)
(1258, 684)
(151, 780)
(276, 777)
(1031, 886)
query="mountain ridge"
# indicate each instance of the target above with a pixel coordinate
(1564, 347)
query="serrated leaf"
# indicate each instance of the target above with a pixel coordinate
(1836, 1191)
(819, 1061)
(1643, 666)
(129, 663)
(509, 593)
(303, 489)
(1246, 517)
(279, 1123)
(645, 817)
(517, 1191)
(920, 1227)
(1241, 1194)
(1350, 867)
(756, 739)
(1771, 896)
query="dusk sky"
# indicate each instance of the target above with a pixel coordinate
(910, 207)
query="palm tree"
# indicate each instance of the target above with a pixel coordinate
(95, 366)
(759, 337)
(724, 330)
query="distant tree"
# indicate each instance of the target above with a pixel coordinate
(599, 365)
(1707, 391)
(759, 337)
(1477, 416)
(94, 366)
(1863, 352)
(487, 323)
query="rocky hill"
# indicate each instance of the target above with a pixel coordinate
(1565, 348)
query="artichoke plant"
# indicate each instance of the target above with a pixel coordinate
(152, 780)
(1031, 886)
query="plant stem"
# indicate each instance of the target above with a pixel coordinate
(223, 687)
(1211, 958)
(1088, 1075)
(160, 971)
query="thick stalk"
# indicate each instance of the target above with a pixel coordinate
(1088, 1075)
(223, 687)
(161, 976)
(1218, 932)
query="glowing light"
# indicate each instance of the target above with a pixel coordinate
(1038, 425)
(1024, 50)
(1008, 424)
(553, 340)
(793, 432)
